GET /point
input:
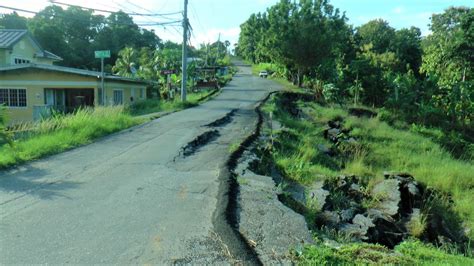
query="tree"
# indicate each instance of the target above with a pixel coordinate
(300, 35)
(448, 58)
(126, 63)
(13, 21)
(406, 45)
(376, 32)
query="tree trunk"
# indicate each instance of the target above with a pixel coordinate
(300, 78)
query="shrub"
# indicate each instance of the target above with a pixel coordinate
(5, 137)
(331, 93)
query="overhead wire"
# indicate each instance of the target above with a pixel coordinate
(109, 11)
(148, 10)
(78, 19)
(149, 19)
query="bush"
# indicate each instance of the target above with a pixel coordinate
(5, 137)
(331, 93)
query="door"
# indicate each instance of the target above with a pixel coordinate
(118, 97)
(55, 98)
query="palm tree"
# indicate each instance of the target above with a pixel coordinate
(125, 64)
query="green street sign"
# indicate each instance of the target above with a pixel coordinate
(102, 54)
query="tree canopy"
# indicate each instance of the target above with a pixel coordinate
(426, 79)
(75, 33)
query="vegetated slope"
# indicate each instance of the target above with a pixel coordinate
(364, 149)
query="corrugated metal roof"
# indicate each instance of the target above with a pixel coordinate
(48, 54)
(70, 70)
(9, 37)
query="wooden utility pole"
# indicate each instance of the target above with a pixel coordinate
(184, 59)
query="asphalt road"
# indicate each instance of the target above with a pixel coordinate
(136, 196)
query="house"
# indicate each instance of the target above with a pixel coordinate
(19, 47)
(31, 86)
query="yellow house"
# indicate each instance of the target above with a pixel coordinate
(19, 47)
(31, 86)
(30, 91)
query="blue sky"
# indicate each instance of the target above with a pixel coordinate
(209, 18)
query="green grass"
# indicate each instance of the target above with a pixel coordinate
(410, 252)
(64, 132)
(381, 148)
(157, 105)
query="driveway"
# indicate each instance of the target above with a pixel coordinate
(156, 193)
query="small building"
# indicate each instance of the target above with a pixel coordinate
(19, 47)
(31, 86)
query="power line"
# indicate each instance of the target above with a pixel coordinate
(18, 9)
(169, 23)
(128, 9)
(109, 11)
(147, 10)
(195, 15)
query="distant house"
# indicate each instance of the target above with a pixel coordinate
(19, 47)
(31, 86)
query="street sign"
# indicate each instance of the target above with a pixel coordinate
(102, 54)
(168, 72)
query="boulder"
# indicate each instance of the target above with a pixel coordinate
(330, 218)
(359, 227)
(387, 195)
(317, 197)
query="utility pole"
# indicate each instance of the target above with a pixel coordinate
(104, 101)
(218, 47)
(185, 41)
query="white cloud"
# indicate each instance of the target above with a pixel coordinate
(398, 10)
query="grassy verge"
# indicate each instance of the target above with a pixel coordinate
(380, 148)
(61, 133)
(410, 252)
(157, 105)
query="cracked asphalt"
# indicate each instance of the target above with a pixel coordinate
(133, 197)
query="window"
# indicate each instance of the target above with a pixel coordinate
(142, 93)
(118, 97)
(13, 97)
(21, 61)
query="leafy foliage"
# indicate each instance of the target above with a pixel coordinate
(5, 137)
(75, 33)
(425, 80)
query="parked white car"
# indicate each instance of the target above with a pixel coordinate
(263, 74)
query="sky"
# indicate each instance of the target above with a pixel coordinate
(213, 18)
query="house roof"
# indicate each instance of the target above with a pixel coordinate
(69, 70)
(8, 38)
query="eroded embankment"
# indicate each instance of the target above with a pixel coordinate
(395, 208)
